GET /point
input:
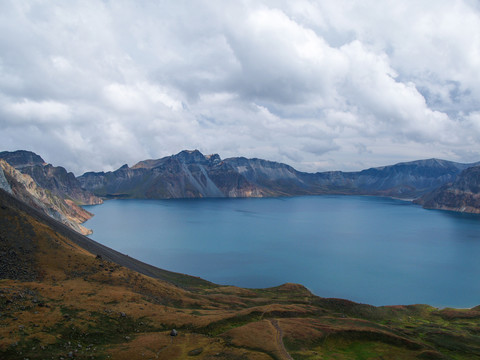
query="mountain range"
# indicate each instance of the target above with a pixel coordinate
(192, 174)
(432, 183)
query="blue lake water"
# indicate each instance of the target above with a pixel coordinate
(367, 249)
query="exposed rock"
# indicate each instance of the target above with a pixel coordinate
(188, 174)
(4, 185)
(21, 158)
(53, 178)
(26, 189)
(195, 352)
(462, 195)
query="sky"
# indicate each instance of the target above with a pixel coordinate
(320, 85)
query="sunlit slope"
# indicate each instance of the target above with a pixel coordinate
(63, 295)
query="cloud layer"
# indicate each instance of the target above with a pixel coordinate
(321, 85)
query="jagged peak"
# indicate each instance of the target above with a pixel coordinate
(190, 156)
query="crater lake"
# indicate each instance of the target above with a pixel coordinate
(372, 250)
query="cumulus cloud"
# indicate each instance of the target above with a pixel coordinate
(321, 85)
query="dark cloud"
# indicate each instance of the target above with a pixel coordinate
(320, 85)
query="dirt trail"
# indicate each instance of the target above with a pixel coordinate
(281, 346)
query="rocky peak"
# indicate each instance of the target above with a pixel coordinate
(191, 157)
(21, 158)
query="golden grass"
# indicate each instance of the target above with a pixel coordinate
(77, 294)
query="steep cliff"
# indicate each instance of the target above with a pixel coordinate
(463, 194)
(23, 187)
(53, 178)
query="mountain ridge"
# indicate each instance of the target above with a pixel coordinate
(192, 174)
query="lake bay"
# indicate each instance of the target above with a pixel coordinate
(373, 250)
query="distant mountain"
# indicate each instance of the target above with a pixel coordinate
(53, 178)
(404, 180)
(463, 194)
(190, 174)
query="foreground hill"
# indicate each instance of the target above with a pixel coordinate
(463, 194)
(64, 296)
(190, 174)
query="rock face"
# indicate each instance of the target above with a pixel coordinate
(21, 158)
(53, 178)
(23, 187)
(190, 174)
(463, 194)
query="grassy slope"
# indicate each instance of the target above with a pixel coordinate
(58, 299)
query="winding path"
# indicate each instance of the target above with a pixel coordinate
(280, 344)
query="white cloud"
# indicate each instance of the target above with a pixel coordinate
(42, 111)
(318, 84)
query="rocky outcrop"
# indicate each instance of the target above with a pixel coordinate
(190, 174)
(462, 195)
(53, 178)
(23, 187)
(4, 185)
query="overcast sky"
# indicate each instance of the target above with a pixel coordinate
(320, 85)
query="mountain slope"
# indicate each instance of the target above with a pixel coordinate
(26, 189)
(463, 194)
(406, 180)
(60, 300)
(53, 178)
(191, 174)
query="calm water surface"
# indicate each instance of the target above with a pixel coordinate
(367, 249)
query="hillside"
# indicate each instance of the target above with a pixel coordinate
(64, 296)
(50, 189)
(26, 189)
(463, 194)
(190, 174)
